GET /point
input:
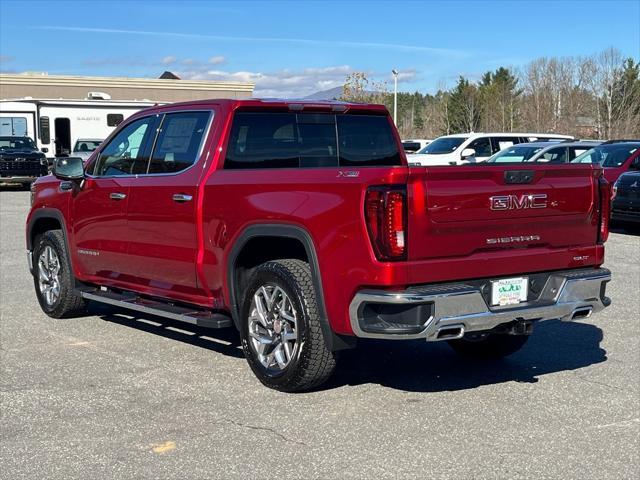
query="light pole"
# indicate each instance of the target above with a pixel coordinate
(395, 96)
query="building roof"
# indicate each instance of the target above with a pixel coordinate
(123, 82)
(167, 75)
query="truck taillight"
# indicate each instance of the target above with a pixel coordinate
(604, 188)
(386, 217)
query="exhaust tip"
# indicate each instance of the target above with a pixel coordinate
(451, 332)
(580, 313)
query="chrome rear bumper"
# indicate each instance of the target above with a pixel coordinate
(461, 308)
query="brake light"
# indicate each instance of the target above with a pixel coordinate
(604, 189)
(386, 217)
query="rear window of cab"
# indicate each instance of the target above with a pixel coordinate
(299, 140)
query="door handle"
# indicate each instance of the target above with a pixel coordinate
(181, 198)
(117, 196)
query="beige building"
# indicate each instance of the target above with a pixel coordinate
(166, 89)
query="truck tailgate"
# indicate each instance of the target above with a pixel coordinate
(459, 211)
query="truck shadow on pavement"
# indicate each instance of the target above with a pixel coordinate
(225, 341)
(412, 366)
(418, 366)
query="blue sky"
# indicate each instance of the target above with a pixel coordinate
(297, 48)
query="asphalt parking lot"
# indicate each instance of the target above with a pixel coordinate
(118, 396)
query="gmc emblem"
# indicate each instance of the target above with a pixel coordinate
(515, 202)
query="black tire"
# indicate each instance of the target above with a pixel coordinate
(69, 303)
(488, 346)
(311, 362)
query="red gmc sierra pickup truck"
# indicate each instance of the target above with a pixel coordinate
(302, 225)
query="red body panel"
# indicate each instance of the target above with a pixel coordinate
(150, 244)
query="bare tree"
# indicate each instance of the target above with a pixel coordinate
(597, 96)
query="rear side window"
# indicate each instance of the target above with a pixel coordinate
(500, 143)
(178, 142)
(289, 140)
(411, 147)
(482, 146)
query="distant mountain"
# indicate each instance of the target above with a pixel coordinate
(331, 94)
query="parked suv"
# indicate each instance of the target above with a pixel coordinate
(301, 225)
(474, 147)
(20, 161)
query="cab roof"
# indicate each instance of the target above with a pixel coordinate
(281, 104)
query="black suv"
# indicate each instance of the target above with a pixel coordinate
(21, 161)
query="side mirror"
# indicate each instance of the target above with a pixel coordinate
(68, 168)
(44, 150)
(467, 152)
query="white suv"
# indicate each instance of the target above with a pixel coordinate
(474, 147)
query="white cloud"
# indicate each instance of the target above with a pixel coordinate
(407, 75)
(168, 60)
(6, 58)
(217, 60)
(287, 83)
(445, 52)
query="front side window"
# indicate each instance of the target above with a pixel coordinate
(590, 156)
(178, 143)
(576, 151)
(615, 157)
(125, 153)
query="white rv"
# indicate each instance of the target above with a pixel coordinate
(56, 125)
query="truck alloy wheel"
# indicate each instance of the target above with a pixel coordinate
(280, 327)
(53, 279)
(49, 275)
(272, 327)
